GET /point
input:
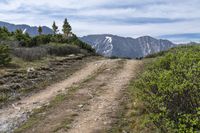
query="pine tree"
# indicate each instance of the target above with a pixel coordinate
(4, 33)
(66, 28)
(4, 55)
(40, 30)
(55, 28)
(5, 30)
(19, 35)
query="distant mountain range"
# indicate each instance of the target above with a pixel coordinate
(32, 30)
(111, 45)
(106, 44)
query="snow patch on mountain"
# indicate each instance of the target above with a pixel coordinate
(24, 31)
(108, 47)
(109, 39)
(148, 49)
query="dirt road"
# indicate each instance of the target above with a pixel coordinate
(103, 107)
(88, 109)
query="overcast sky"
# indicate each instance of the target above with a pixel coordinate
(177, 20)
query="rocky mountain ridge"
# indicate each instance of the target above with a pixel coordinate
(112, 45)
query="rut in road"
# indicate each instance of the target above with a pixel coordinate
(92, 107)
(15, 114)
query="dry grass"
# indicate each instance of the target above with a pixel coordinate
(18, 64)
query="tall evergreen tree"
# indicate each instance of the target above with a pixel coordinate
(55, 28)
(40, 30)
(66, 28)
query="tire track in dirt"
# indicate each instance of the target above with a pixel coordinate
(101, 109)
(89, 109)
(92, 108)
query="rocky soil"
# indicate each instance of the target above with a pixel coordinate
(20, 83)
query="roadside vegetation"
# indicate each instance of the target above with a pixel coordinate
(28, 63)
(166, 95)
(20, 44)
(4, 55)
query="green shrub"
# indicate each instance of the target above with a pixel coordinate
(76, 41)
(40, 40)
(25, 40)
(162, 53)
(171, 90)
(58, 38)
(4, 55)
(4, 33)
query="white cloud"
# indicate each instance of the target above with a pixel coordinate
(137, 30)
(88, 16)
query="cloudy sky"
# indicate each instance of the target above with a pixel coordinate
(177, 20)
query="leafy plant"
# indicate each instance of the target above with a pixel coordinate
(170, 89)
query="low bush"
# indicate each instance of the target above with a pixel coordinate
(30, 54)
(74, 40)
(40, 40)
(82, 45)
(54, 49)
(4, 55)
(62, 49)
(170, 89)
(162, 53)
(58, 38)
(24, 39)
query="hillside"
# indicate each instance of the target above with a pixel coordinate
(110, 45)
